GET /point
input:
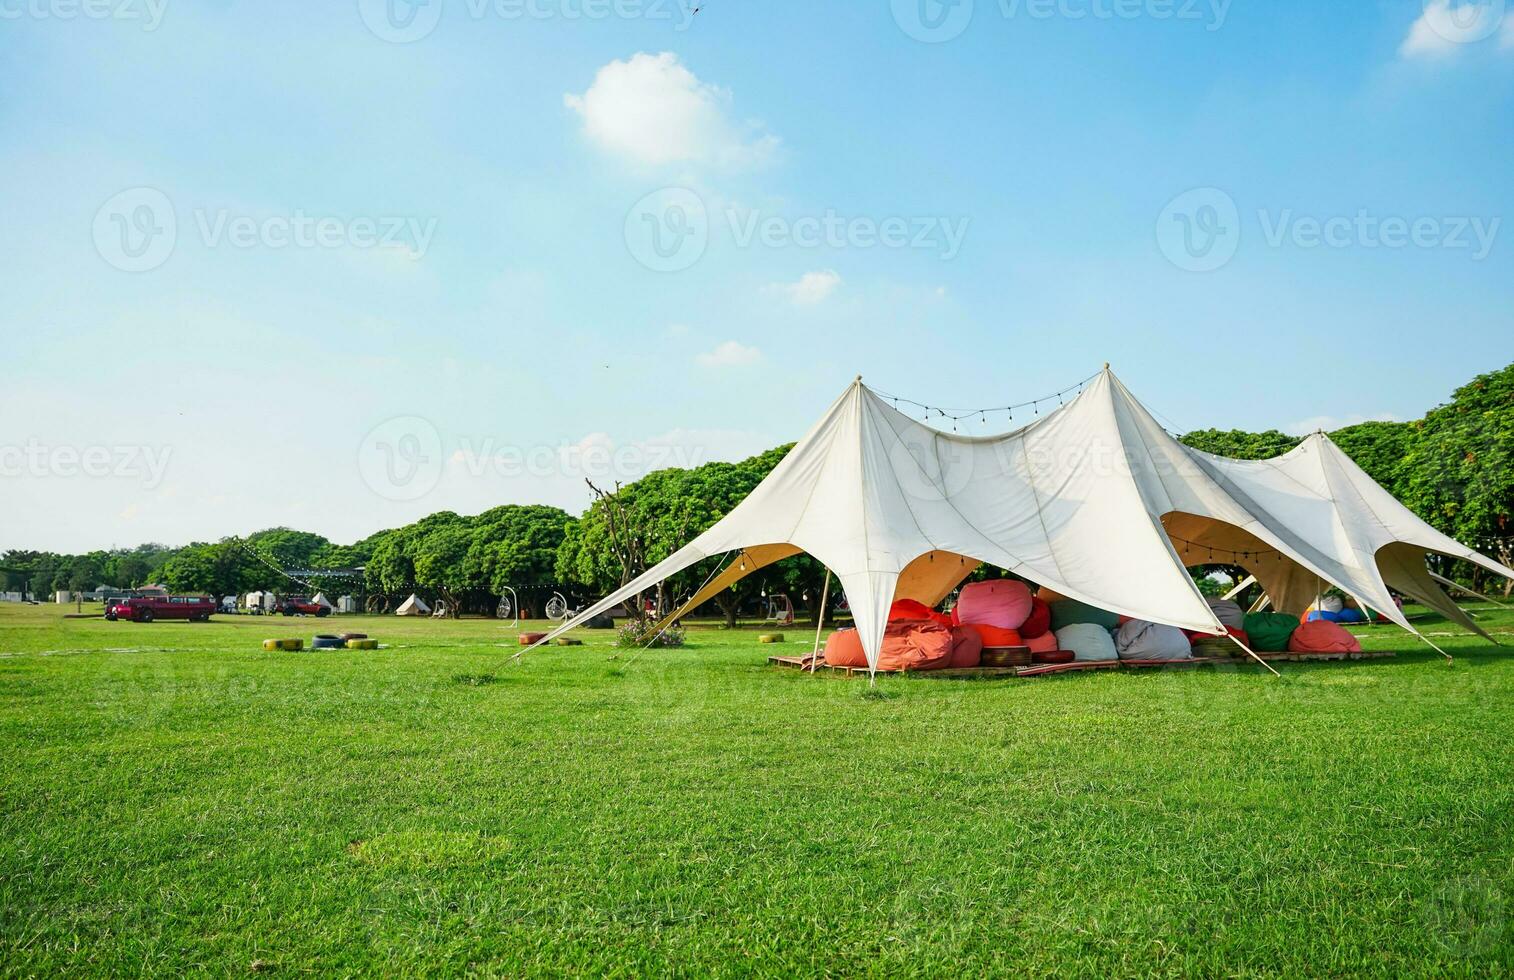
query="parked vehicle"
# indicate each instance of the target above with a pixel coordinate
(301, 606)
(145, 609)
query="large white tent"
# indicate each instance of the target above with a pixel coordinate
(1094, 501)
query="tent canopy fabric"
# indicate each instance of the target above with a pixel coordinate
(1094, 501)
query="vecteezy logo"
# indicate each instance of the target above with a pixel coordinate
(668, 230)
(401, 459)
(932, 21)
(135, 231)
(1464, 21)
(400, 21)
(1199, 230)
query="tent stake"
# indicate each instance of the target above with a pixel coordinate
(825, 594)
(1449, 659)
(1237, 641)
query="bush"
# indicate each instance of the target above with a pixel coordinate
(639, 633)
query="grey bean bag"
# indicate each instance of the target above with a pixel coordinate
(1137, 639)
(1229, 613)
(1087, 641)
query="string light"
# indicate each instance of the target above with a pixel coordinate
(956, 415)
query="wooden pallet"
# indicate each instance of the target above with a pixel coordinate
(1032, 670)
(1309, 657)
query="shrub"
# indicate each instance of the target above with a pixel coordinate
(639, 633)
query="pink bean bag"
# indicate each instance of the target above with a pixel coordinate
(967, 648)
(1322, 636)
(1045, 643)
(1004, 603)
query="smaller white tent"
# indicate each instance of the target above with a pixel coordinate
(321, 600)
(413, 606)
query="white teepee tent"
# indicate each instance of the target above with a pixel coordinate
(413, 606)
(1094, 501)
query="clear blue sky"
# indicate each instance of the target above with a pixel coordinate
(488, 268)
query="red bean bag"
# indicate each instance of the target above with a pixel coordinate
(1039, 621)
(967, 648)
(993, 636)
(914, 610)
(1045, 643)
(1004, 603)
(907, 645)
(1322, 636)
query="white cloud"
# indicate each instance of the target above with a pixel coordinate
(653, 110)
(1506, 38)
(1329, 423)
(1446, 26)
(812, 287)
(729, 354)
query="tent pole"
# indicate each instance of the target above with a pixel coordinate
(825, 594)
(1237, 641)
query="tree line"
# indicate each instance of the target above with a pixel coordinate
(1452, 467)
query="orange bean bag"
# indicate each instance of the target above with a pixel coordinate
(913, 609)
(907, 645)
(1322, 636)
(1039, 621)
(994, 636)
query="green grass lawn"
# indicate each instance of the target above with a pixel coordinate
(176, 800)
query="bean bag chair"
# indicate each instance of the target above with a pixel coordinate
(1049, 596)
(913, 609)
(1087, 641)
(993, 636)
(967, 648)
(1045, 643)
(1322, 636)
(1269, 631)
(1229, 613)
(1329, 603)
(1068, 612)
(1219, 644)
(1350, 616)
(1004, 603)
(907, 645)
(1140, 640)
(1323, 615)
(1038, 623)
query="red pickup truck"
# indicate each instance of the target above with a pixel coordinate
(145, 609)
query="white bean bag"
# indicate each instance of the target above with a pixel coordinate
(1329, 603)
(1229, 613)
(1137, 639)
(1087, 641)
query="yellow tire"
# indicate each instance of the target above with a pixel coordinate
(770, 638)
(564, 641)
(283, 644)
(362, 644)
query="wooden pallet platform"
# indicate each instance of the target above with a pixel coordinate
(1043, 670)
(1031, 670)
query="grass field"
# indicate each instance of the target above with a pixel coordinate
(176, 800)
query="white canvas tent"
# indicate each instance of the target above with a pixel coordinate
(321, 600)
(1094, 501)
(413, 606)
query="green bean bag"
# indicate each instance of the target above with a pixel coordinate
(1269, 631)
(1069, 612)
